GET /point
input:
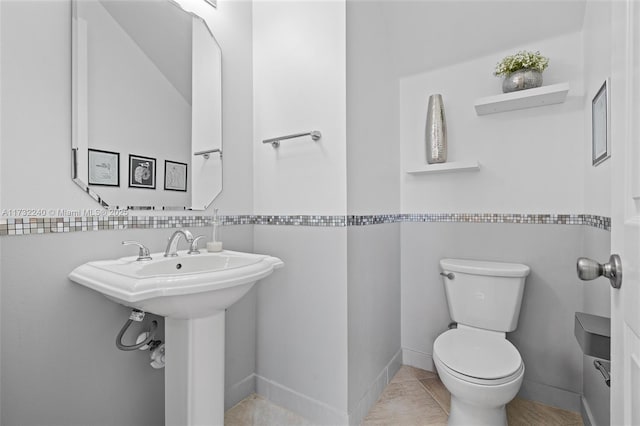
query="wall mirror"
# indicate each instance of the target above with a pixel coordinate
(146, 118)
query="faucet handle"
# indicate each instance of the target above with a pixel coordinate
(194, 245)
(143, 253)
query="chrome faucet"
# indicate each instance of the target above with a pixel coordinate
(194, 245)
(143, 253)
(172, 246)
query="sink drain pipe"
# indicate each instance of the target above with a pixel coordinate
(137, 316)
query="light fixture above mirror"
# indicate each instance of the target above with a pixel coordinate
(147, 103)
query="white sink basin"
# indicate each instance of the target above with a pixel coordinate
(192, 292)
(182, 287)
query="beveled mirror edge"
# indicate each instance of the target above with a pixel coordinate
(214, 4)
(74, 131)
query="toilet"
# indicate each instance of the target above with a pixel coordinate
(481, 369)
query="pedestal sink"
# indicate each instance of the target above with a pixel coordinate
(192, 292)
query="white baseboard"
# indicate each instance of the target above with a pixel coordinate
(239, 391)
(321, 413)
(550, 395)
(585, 411)
(394, 365)
(360, 411)
(418, 359)
(313, 410)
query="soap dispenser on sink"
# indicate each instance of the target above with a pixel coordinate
(214, 245)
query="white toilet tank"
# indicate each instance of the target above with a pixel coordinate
(484, 294)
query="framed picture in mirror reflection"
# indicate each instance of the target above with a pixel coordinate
(175, 176)
(104, 168)
(142, 172)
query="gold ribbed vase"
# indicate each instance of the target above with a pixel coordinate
(436, 131)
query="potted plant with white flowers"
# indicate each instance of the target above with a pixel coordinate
(521, 71)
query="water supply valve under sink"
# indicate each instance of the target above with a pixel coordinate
(156, 348)
(157, 357)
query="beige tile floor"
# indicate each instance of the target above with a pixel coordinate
(418, 397)
(254, 410)
(414, 397)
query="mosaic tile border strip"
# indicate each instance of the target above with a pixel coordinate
(373, 219)
(301, 220)
(538, 219)
(49, 225)
(46, 225)
(600, 222)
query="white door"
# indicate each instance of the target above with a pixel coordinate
(625, 221)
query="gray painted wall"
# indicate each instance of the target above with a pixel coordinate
(60, 365)
(373, 295)
(302, 320)
(240, 326)
(596, 245)
(552, 294)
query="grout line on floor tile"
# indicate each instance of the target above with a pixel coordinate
(434, 396)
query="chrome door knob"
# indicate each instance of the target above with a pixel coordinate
(590, 269)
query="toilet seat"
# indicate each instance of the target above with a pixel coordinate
(478, 357)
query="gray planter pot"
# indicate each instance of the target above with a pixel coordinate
(521, 80)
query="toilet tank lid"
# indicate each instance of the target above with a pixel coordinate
(483, 267)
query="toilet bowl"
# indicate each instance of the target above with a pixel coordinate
(482, 370)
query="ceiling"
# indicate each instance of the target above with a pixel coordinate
(429, 34)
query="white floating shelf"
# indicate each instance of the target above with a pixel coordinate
(529, 98)
(454, 166)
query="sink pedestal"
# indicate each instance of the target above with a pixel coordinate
(194, 371)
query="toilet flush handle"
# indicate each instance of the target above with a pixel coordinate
(448, 275)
